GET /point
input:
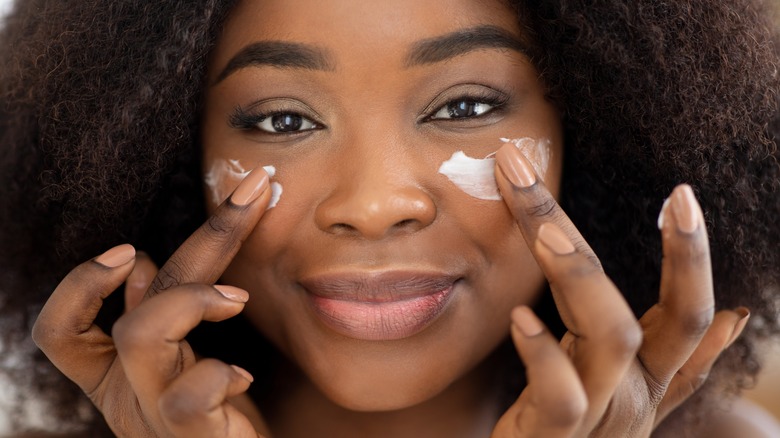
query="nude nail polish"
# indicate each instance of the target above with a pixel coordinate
(116, 256)
(555, 240)
(232, 293)
(686, 210)
(526, 322)
(251, 187)
(739, 326)
(243, 373)
(515, 166)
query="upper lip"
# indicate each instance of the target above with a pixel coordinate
(377, 287)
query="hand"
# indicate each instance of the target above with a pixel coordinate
(611, 375)
(145, 378)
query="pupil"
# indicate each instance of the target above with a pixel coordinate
(286, 122)
(464, 108)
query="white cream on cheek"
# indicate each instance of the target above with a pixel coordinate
(224, 176)
(477, 177)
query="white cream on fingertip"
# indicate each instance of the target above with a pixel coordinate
(476, 177)
(662, 214)
(224, 176)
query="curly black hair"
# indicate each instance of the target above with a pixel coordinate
(99, 125)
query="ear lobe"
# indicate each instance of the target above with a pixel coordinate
(139, 280)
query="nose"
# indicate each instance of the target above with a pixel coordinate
(375, 199)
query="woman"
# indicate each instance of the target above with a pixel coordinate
(376, 294)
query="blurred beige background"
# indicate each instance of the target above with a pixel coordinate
(767, 390)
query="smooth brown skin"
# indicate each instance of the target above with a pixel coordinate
(610, 376)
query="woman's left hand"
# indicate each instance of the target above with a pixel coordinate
(610, 375)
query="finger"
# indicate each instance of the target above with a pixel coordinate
(65, 329)
(139, 280)
(606, 334)
(531, 203)
(149, 339)
(553, 403)
(206, 253)
(726, 327)
(675, 325)
(194, 405)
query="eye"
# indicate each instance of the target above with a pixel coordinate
(461, 109)
(284, 123)
(276, 117)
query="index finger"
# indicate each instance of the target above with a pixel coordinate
(531, 203)
(207, 252)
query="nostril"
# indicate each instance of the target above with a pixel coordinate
(405, 223)
(342, 228)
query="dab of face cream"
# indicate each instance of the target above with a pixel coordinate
(224, 176)
(477, 176)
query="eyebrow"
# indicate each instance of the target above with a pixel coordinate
(285, 54)
(457, 43)
(278, 54)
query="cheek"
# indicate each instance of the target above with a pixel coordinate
(476, 177)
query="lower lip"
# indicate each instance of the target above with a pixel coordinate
(380, 321)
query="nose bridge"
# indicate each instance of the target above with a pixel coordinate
(377, 193)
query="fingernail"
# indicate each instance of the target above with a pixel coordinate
(528, 324)
(739, 326)
(686, 209)
(116, 256)
(243, 373)
(251, 187)
(232, 293)
(515, 166)
(554, 239)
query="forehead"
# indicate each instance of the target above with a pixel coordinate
(355, 27)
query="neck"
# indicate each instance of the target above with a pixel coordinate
(467, 408)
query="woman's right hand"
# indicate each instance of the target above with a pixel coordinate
(144, 378)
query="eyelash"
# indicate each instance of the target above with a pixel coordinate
(247, 121)
(495, 99)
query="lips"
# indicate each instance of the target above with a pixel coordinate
(379, 306)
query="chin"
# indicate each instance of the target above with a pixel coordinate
(381, 394)
(391, 376)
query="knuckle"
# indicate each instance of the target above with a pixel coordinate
(696, 253)
(81, 275)
(691, 382)
(624, 339)
(170, 276)
(219, 226)
(696, 322)
(542, 207)
(129, 335)
(178, 406)
(570, 410)
(583, 267)
(179, 403)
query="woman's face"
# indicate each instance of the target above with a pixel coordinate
(378, 276)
